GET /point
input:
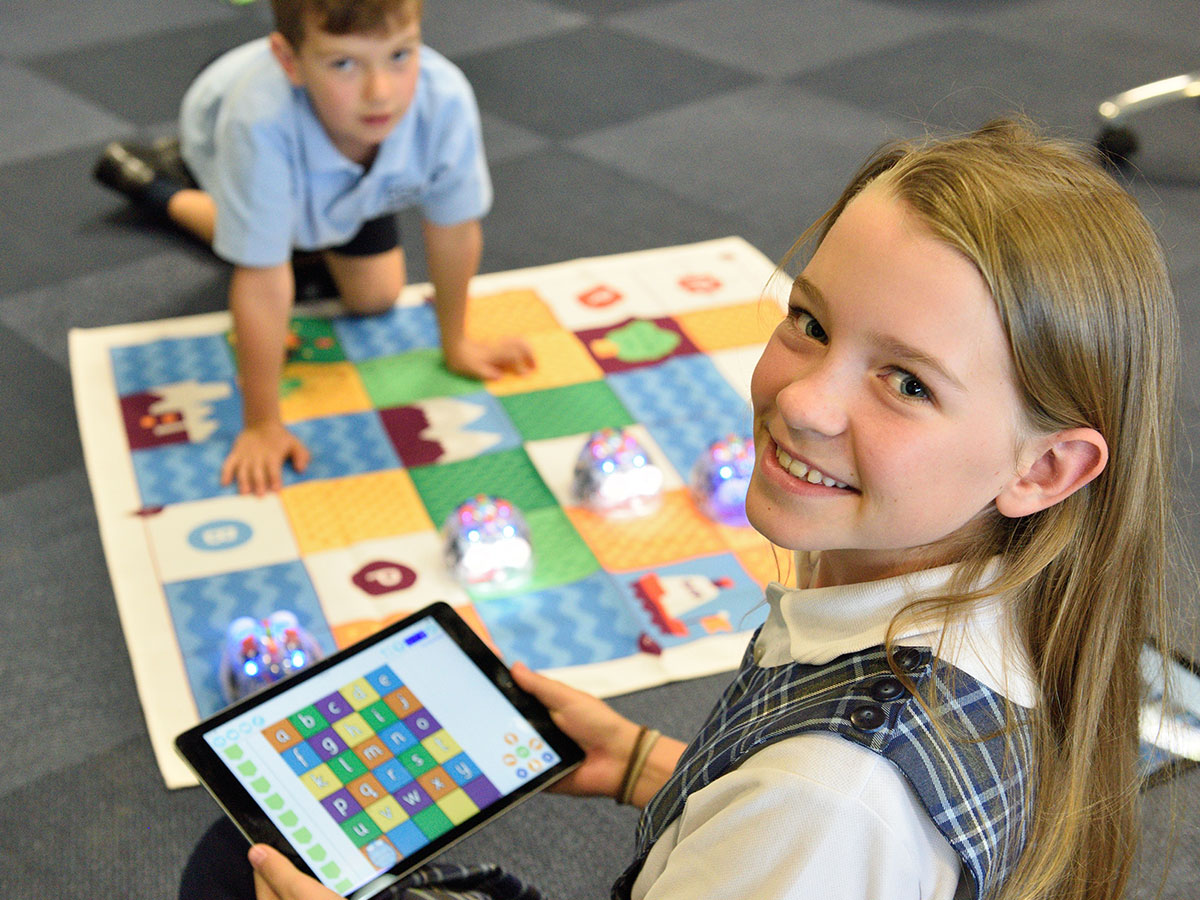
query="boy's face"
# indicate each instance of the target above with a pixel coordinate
(360, 85)
(886, 407)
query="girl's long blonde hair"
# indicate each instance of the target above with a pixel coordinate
(1082, 290)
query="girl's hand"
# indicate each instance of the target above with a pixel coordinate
(275, 878)
(605, 735)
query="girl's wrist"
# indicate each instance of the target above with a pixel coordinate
(638, 754)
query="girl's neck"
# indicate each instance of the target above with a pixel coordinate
(832, 568)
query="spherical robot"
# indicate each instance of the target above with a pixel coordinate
(259, 652)
(721, 477)
(488, 546)
(615, 477)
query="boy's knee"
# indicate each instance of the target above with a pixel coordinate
(367, 302)
(369, 285)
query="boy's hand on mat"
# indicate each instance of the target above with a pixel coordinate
(605, 735)
(275, 878)
(256, 461)
(487, 361)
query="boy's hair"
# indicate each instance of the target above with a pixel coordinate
(1082, 290)
(342, 16)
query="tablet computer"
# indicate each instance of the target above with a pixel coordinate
(376, 759)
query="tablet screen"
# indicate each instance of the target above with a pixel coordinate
(377, 761)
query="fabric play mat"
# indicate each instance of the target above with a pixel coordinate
(659, 343)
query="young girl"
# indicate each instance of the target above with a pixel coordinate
(962, 429)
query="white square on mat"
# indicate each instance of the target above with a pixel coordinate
(222, 534)
(372, 580)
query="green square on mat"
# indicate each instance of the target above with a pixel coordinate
(574, 409)
(560, 555)
(407, 377)
(509, 474)
(313, 340)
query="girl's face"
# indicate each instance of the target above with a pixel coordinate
(885, 408)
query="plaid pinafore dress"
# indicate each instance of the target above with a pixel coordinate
(972, 775)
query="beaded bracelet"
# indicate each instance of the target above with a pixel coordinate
(646, 739)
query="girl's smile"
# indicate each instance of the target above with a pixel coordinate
(886, 412)
(808, 475)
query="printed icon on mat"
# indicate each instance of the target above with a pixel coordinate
(220, 534)
(384, 577)
(700, 283)
(638, 341)
(177, 413)
(600, 296)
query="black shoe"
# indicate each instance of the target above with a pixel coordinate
(126, 168)
(168, 160)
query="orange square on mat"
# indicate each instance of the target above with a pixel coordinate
(676, 531)
(343, 511)
(561, 360)
(315, 390)
(508, 313)
(722, 327)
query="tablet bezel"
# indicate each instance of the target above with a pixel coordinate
(256, 826)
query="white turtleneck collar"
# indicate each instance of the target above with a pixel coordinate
(816, 625)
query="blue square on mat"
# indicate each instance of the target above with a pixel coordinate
(343, 445)
(398, 330)
(145, 366)
(686, 440)
(568, 625)
(203, 608)
(178, 473)
(678, 390)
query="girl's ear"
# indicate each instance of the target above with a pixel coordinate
(285, 55)
(1061, 464)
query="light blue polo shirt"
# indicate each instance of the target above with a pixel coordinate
(254, 143)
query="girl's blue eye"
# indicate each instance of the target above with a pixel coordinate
(341, 65)
(807, 324)
(909, 386)
(401, 56)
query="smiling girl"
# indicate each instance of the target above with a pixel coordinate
(963, 431)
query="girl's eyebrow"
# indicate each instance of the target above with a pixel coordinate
(887, 344)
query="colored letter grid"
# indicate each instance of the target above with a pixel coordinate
(382, 766)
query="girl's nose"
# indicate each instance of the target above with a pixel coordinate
(816, 400)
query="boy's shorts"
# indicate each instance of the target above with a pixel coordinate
(375, 236)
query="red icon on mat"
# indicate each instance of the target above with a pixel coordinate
(600, 296)
(700, 283)
(383, 577)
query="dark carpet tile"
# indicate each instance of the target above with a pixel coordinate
(57, 223)
(962, 77)
(597, 210)
(142, 79)
(592, 77)
(601, 8)
(36, 440)
(114, 830)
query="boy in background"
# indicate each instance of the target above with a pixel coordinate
(313, 139)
